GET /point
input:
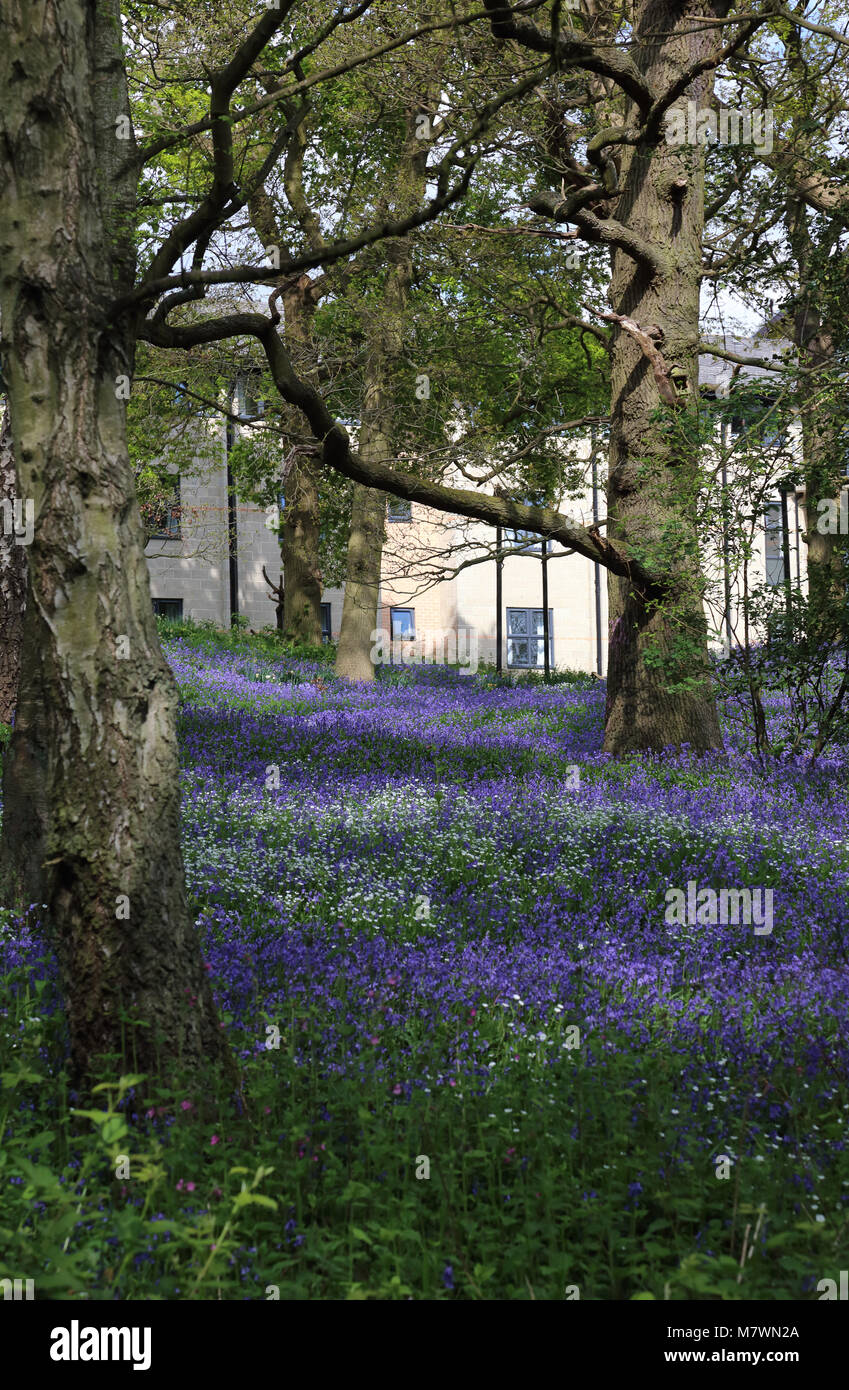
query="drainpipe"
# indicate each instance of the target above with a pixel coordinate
(726, 540)
(545, 625)
(598, 653)
(785, 545)
(232, 527)
(499, 563)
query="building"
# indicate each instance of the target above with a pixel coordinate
(196, 572)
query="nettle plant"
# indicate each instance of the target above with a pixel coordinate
(799, 667)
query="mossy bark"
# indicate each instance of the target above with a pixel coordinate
(91, 827)
(659, 691)
(13, 577)
(378, 433)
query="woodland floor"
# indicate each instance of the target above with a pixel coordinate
(480, 1062)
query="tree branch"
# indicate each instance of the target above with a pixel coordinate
(571, 48)
(338, 454)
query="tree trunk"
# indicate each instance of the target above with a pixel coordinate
(819, 403)
(299, 540)
(659, 691)
(384, 347)
(93, 767)
(362, 582)
(300, 521)
(821, 426)
(13, 580)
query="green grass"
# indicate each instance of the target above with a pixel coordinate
(529, 1190)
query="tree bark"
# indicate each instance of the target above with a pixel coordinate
(384, 345)
(362, 583)
(820, 425)
(13, 581)
(300, 521)
(299, 554)
(91, 828)
(659, 691)
(814, 339)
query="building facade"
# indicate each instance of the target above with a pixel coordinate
(444, 595)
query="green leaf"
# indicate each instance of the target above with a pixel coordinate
(114, 1129)
(255, 1199)
(354, 1190)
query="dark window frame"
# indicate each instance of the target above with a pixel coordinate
(251, 405)
(529, 541)
(773, 544)
(409, 637)
(531, 635)
(399, 502)
(161, 604)
(172, 512)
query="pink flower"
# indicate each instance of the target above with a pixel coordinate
(149, 1114)
(396, 1090)
(374, 1041)
(216, 1192)
(452, 1083)
(190, 1187)
(186, 1105)
(180, 1185)
(473, 1014)
(214, 1139)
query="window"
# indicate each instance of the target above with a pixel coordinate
(399, 509)
(187, 402)
(530, 541)
(773, 544)
(525, 637)
(403, 622)
(165, 518)
(325, 622)
(169, 608)
(768, 432)
(250, 405)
